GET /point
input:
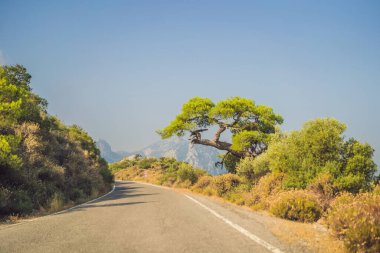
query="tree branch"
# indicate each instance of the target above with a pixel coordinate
(222, 128)
(219, 145)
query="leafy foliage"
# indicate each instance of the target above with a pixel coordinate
(253, 168)
(186, 172)
(230, 162)
(319, 147)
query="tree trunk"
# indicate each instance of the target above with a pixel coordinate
(219, 145)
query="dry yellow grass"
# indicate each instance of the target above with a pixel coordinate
(313, 237)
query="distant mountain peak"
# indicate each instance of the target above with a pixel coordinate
(108, 154)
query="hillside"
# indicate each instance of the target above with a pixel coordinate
(44, 164)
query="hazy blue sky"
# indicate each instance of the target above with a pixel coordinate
(122, 69)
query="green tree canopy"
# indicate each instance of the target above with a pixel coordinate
(319, 147)
(250, 125)
(17, 102)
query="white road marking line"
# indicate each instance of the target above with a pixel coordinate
(63, 211)
(238, 228)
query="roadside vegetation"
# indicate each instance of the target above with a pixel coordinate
(44, 164)
(309, 175)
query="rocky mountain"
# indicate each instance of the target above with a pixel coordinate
(198, 155)
(108, 154)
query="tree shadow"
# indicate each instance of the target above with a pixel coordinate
(122, 191)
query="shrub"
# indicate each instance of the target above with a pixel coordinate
(320, 147)
(167, 179)
(5, 194)
(106, 175)
(267, 186)
(146, 163)
(127, 174)
(356, 220)
(225, 183)
(202, 183)
(19, 202)
(74, 194)
(253, 168)
(184, 184)
(376, 189)
(205, 185)
(352, 183)
(323, 188)
(123, 164)
(166, 162)
(236, 195)
(230, 161)
(186, 172)
(296, 205)
(200, 173)
(56, 203)
(209, 191)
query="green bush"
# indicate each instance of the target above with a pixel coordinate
(167, 179)
(224, 183)
(186, 172)
(18, 202)
(320, 147)
(146, 163)
(230, 162)
(253, 168)
(296, 205)
(106, 175)
(356, 220)
(123, 164)
(4, 197)
(167, 162)
(237, 194)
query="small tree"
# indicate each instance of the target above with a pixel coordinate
(250, 125)
(319, 147)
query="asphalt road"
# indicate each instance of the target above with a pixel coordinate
(143, 218)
